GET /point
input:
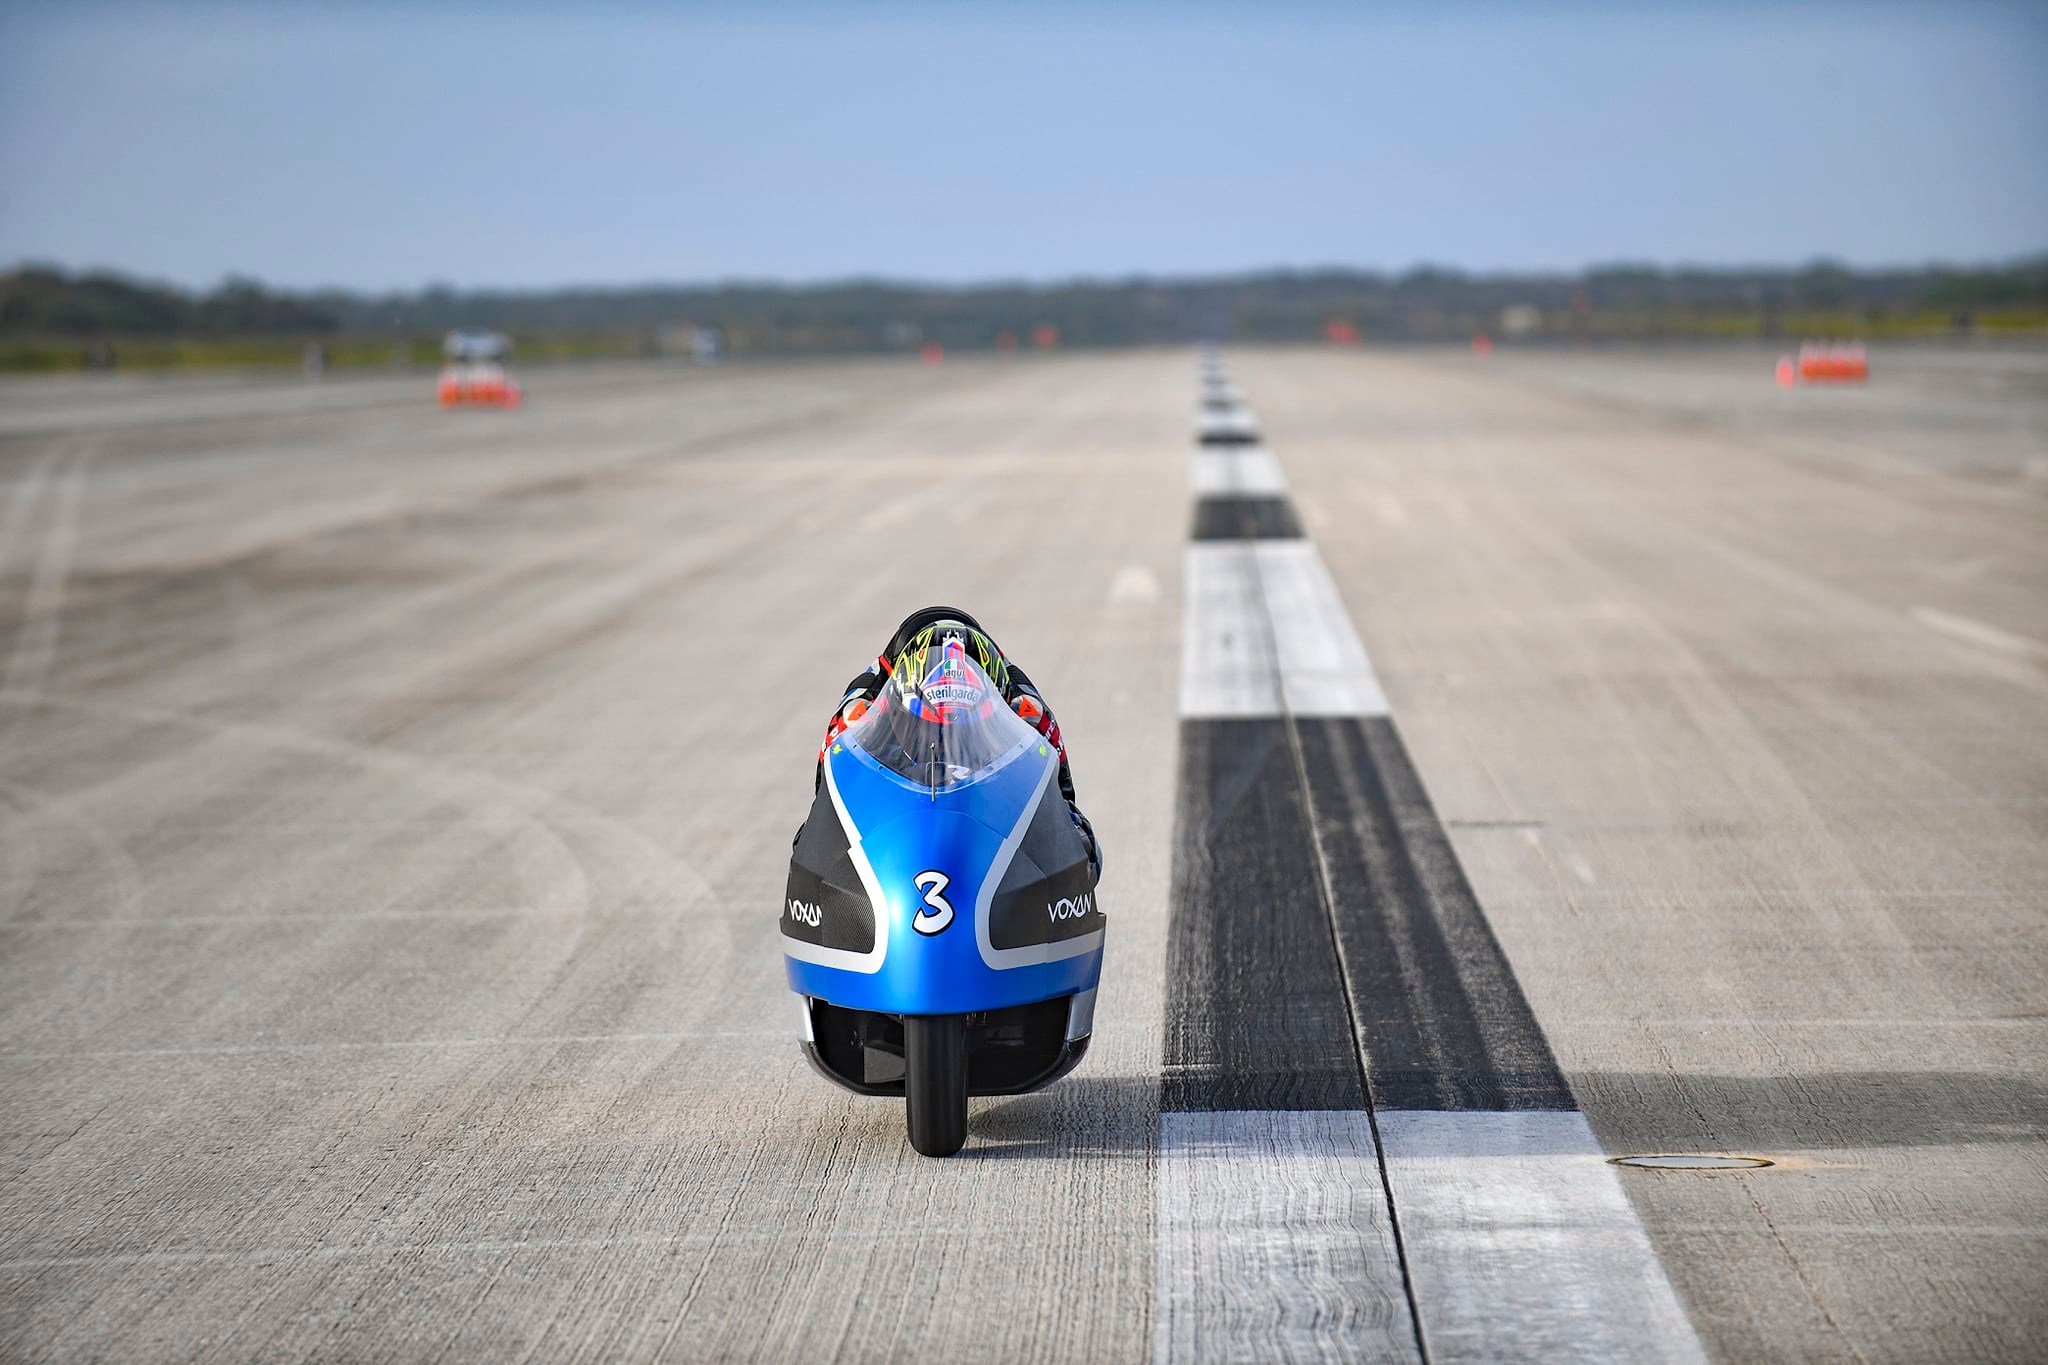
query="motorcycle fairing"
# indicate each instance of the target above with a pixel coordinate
(913, 849)
(1047, 893)
(827, 905)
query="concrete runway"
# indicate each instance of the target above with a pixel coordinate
(397, 807)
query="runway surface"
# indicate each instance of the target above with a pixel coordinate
(397, 806)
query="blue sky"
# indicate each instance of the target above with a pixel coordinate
(387, 146)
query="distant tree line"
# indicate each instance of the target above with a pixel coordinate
(858, 315)
(42, 301)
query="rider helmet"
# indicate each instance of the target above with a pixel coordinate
(920, 645)
(947, 679)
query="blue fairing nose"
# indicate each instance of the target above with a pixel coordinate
(932, 868)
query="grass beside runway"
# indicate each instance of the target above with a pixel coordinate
(51, 354)
(57, 355)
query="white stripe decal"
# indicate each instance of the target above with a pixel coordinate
(1521, 1242)
(1247, 471)
(845, 958)
(1274, 1241)
(1265, 633)
(1001, 959)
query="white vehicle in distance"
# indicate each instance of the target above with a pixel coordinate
(473, 374)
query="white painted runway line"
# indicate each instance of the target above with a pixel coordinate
(1522, 1245)
(1265, 634)
(1246, 471)
(1227, 665)
(1134, 584)
(1274, 1241)
(1324, 670)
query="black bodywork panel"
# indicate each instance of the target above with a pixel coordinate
(1047, 893)
(823, 885)
(1009, 1052)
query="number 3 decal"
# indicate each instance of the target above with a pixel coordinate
(940, 914)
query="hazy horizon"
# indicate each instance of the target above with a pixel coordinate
(376, 149)
(1050, 282)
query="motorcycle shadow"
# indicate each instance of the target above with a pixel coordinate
(1100, 1116)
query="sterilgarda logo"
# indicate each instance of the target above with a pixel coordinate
(1071, 907)
(804, 912)
(947, 692)
(950, 684)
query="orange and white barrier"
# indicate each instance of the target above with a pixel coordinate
(483, 386)
(1826, 363)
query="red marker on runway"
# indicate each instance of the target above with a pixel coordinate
(1828, 363)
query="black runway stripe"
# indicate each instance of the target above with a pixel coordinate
(1442, 1022)
(1228, 516)
(1256, 1016)
(1325, 945)
(1290, 832)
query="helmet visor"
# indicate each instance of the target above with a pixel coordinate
(940, 721)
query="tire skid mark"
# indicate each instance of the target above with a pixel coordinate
(507, 808)
(125, 872)
(35, 639)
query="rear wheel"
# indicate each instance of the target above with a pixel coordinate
(935, 1082)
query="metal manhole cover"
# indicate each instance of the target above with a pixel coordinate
(1693, 1162)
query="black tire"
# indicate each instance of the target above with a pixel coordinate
(935, 1082)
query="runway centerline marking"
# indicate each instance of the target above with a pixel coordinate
(1245, 471)
(1333, 986)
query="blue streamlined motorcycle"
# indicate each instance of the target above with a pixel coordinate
(940, 922)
